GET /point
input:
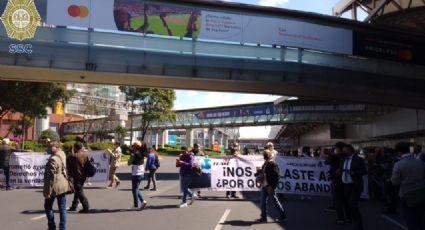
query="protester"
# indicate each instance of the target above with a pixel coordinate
(352, 169)
(337, 189)
(417, 152)
(270, 147)
(305, 152)
(409, 173)
(234, 152)
(55, 186)
(269, 177)
(196, 151)
(151, 166)
(116, 154)
(136, 161)
(185, 162)
(75, 164)
(5, 152)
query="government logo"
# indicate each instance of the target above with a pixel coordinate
(20, 18)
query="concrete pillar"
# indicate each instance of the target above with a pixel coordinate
(163, 138)
(226, 141)
(156, 139)
(220, 138)
(211, 138)
(189, 137)
(41, 124)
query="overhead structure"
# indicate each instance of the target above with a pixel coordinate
(408, 14)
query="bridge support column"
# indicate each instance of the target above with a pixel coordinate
(163, 137)
(189, 137)
(156, 139)
(220, 138)
(226, 141)
(211, 138)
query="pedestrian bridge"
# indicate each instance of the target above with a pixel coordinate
(315, 55)
(259, 114)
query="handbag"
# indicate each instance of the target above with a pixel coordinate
(89, 169)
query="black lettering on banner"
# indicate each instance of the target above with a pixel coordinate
(240, 171)
(219, 185)
(248, 172)
(323, 176)
(287, 186)
(251, 183)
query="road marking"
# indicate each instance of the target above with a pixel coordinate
(394, 222)
(222, 219)
(38, 217)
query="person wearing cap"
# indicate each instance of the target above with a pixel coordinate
(5, 152)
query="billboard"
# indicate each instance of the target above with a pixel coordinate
(196, 23)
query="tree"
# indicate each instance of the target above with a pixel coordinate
(48, 133)
(121, 133)
(156, 104)
(91, 110)
(32, 98)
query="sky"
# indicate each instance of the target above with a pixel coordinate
(188, 99)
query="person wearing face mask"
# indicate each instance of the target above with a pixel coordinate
(196, 151)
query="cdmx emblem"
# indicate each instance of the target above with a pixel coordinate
(20, 18)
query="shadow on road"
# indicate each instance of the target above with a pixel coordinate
(159, 176)
(162, 206)
(243, 223)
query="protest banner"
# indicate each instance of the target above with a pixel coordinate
(303, 176)
(27, 169)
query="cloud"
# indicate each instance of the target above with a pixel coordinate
(275, 3)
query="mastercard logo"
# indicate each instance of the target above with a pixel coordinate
(78, 11)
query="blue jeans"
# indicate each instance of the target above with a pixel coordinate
(137, 195)
(185, 182)
(264, 198)
(48, 208)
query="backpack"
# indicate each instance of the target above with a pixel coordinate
(156, 161)
(89, 169)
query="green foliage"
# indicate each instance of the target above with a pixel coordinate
(168, 146)
(121, 132)
(67, 146)
(170, 152)
(48, 133)
(126, 150)
(35, 146)
(156, 103)
(100, 146)
(68, 138)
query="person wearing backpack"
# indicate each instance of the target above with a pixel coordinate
(268, 176)
(76, 164)
(152, 164)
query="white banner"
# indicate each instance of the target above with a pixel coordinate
(27, 169)
(100, 159)
(297, 175)
(235, 174)
(303, 176)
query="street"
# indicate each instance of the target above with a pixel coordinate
(23, 209)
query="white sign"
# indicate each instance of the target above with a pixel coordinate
(235, 173)
(27, 169)
(303, 176)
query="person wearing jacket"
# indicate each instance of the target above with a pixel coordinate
(75, 164)
(5, 152)
(116, 154)
(55, 186)
(136, 161)
(269, 176)
(151, 166)
(351, 170)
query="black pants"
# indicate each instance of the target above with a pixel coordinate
(7, 175)
(352, 196)
(414, 216)
(341, 204)
(230, 193)
(80, 196)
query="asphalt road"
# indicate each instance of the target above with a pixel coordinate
(23, 209)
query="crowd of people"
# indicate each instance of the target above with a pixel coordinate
(395, 176)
